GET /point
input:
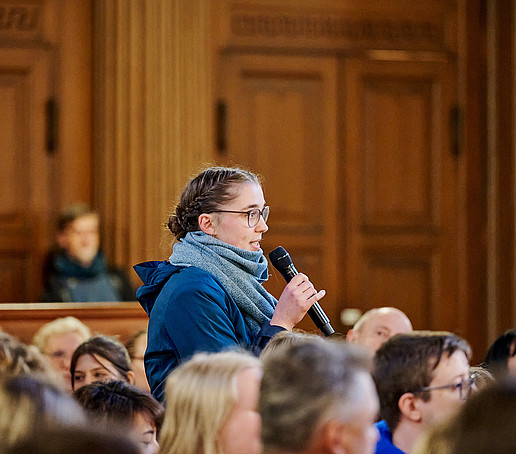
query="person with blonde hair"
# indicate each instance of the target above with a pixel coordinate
(212, 405)
(57, 340)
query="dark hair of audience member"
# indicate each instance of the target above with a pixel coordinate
(118, 402)
(413, 357)
(497, 357)
(108, 348)
(29, 402)
(74, 440)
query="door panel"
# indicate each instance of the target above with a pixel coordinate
(401, 190)
(25, 172)
(281, 123)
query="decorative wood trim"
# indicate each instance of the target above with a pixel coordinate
(21, 20)
(346, 27)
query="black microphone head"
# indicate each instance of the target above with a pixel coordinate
(280, 258)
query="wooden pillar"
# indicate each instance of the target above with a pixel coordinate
(152, 117)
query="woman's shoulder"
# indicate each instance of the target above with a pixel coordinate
(190, 278)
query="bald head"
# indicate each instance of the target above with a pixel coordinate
(377, 326)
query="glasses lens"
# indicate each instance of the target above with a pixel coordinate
(265, 213)
(253, 216)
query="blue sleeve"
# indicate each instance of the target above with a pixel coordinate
(201, 316)
(264, 336)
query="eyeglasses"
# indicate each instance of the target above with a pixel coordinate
(465, 386)
(253, 216)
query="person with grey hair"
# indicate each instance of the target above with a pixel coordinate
(317, 396)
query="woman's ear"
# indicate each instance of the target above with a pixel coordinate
(409, 408)
(130, 377)
(206, 223)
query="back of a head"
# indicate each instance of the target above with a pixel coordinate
(17, 358)
(118, 403)
(76, 440)
(405, 364)
(486, 422)
(319, 373)
(285, 337)
(200, 395)
(497, 357)
(29, 402)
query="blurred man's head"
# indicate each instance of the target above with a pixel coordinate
(422, 378)
(78, 233)
(338, 400)
(377, 326)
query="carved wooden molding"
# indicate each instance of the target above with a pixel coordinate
(21, 20)
(250, 26)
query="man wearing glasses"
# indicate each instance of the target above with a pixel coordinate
(422, 378)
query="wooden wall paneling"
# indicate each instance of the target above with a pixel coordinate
(401, 190)
(153, 117)
(26, 171)
(72, 86)
(281, 123)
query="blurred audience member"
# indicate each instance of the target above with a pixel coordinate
(29, 403)
(377, 326)
(500, 359)
(422, 378)
(487, 423)
(285, 337)
(57, 340)
(481, 376)
(73, 440)
(16, 358)
(119, 403)
(437, 439)
(136, 346)
(76, 270)
(317, 397)
(211, 405)
(100, 358)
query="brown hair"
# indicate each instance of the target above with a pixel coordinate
(205, 193)
(405, 363)
(106, 347)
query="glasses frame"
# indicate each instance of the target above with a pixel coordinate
(264, 214)
(470, 381)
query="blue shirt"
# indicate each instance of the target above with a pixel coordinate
(384, 445)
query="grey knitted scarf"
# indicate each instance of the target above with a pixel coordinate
(241, 272)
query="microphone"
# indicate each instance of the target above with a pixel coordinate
(281, 260)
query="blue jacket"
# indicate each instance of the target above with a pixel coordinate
(189, 311)
(384, 445)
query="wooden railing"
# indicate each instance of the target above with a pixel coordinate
(120, 319)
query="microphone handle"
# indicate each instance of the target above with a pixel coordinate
(315, 312)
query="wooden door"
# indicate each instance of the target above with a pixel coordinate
(399, 171)
(25, 172)
(281, 123)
